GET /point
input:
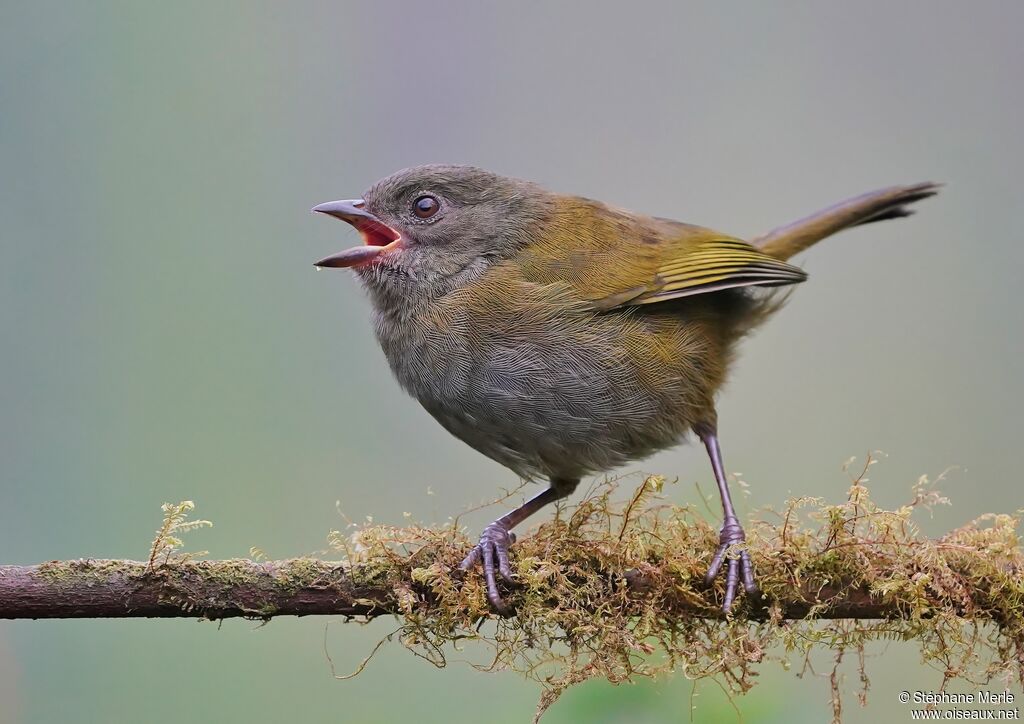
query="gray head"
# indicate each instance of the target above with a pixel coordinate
(429, 229)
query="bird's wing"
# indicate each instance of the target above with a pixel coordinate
(712, 264)
(613, 258)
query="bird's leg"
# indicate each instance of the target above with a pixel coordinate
(497, 537)
(732, 531)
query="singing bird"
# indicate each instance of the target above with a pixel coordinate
(563, 337)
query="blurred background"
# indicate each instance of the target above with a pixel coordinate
(164, 335)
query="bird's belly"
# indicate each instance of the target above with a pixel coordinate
(544, 401)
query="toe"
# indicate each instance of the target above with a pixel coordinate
(492, 584)
(472, 559)
(747, 570)
(504, 567)
(731, 579)
(716, 564)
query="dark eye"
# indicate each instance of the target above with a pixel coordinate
(425, 206)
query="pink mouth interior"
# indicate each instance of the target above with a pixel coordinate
(377, 234)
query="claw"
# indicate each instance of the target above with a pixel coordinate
(492, 550)
(739, 567)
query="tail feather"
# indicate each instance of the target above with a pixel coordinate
(889, 203)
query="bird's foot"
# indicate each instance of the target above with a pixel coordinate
(739, 566)
(492, 551)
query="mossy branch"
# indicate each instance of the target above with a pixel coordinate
(613, 590)
(100, 588)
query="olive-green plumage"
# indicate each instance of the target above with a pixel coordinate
(560, 336)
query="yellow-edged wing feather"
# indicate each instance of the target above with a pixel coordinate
(712, 264)
(615, 258)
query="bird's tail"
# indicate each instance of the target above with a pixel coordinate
(889, 203)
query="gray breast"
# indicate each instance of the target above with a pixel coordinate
(543, 400)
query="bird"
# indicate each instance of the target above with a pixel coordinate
(564, 337)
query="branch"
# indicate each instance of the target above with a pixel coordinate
(93, 588)
(90, 588)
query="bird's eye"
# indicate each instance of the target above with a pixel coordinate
(425, 206)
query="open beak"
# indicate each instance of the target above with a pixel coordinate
(378, 237)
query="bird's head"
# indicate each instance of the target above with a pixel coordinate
(429, 229)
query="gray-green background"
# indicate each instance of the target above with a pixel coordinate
(164, 335)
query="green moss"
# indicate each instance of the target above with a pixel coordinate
(610, 590)
(614, 590)
(231, 572)
(299, 573)
(87, 571)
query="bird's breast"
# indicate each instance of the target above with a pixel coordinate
(539, 381)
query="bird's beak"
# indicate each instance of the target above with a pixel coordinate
(378, 237)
